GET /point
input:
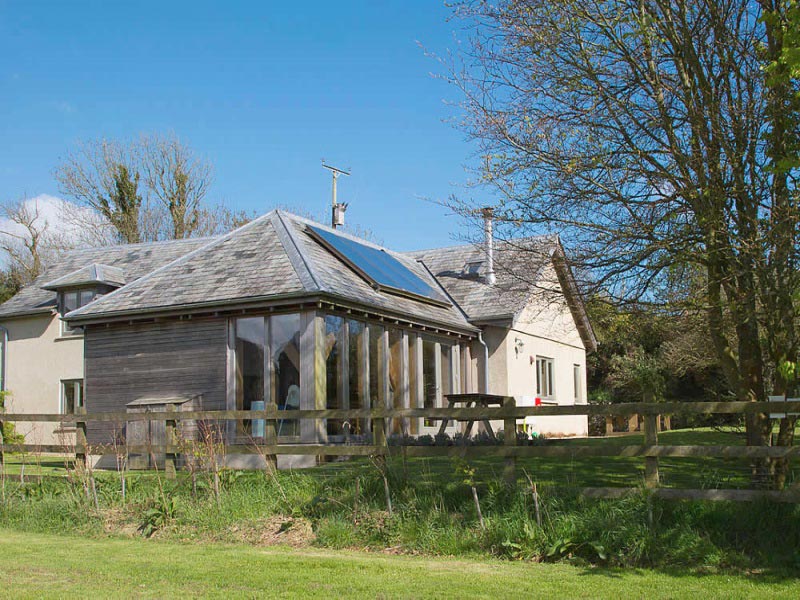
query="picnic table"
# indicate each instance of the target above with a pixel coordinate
(472, 401)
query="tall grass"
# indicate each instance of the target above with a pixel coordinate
(434, 516)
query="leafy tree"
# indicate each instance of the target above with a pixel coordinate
(659, 138)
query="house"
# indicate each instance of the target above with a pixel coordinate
(287, 311)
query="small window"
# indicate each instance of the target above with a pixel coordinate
(577, 382)
(71, 396)
(544, 377)
(74, 300)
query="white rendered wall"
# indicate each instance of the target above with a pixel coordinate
(37, 359)
(544, 328)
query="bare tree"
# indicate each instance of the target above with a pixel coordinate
(659, 139)
(105, 175)
(178, 180)
(28, 241)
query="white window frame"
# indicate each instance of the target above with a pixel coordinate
(545, 377)
(63, 397)
(577, 381)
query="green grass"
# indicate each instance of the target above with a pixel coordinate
(50, 566)
(434, 513)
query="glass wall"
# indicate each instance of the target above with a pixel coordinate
(334, 328)
(447, 373)
(357, 372)
(284, 332)
(429, 386)
(275, 373)
(415, 399)
(366, 365)
(375, 364)
(250, 367)
(396, 383)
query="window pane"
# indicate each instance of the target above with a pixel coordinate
(285, 352)
(72, 395)
(70, 302)
(69, 398)
(395, 367)
(250, 337)
(446, 372)
(85, 297)
(375, 366)
(356, 379)
(396, 383)
(355, 348)
(429, 377)
(333, 350)
(545, 377)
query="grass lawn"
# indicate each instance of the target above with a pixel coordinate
(37, 565)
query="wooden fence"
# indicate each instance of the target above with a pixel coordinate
(509, 451)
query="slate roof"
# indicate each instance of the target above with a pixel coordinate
(271, 257)
(91, 274)
(135, 260)
(518, 268)
(521, 278)
(275, 256)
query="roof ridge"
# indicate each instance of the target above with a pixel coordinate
(295, 254)
(215, 241)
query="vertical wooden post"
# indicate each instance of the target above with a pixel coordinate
(651, 439)
(609, 424)
(2, 441)
(170, 437)
(379, 430)
(81, 449)
(271, 436)
(633, 423)
(510, 440)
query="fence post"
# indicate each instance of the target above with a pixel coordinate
(379, 430)
(81, 444)
(2, 441)
(170, 436)
(651, 439)
(271, 437)
(510, 440)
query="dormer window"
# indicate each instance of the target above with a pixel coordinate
(79, 288)
(73, 300)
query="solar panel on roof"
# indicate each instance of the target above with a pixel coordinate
(377, 265)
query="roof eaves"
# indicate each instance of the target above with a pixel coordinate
(574, 299)
(30, 312)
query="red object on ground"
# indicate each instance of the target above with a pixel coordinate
(538, 401)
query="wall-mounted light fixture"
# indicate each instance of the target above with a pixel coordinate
(518, 345)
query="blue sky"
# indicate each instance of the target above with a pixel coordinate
(263, 90)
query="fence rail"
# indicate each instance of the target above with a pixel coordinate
(269, 446)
